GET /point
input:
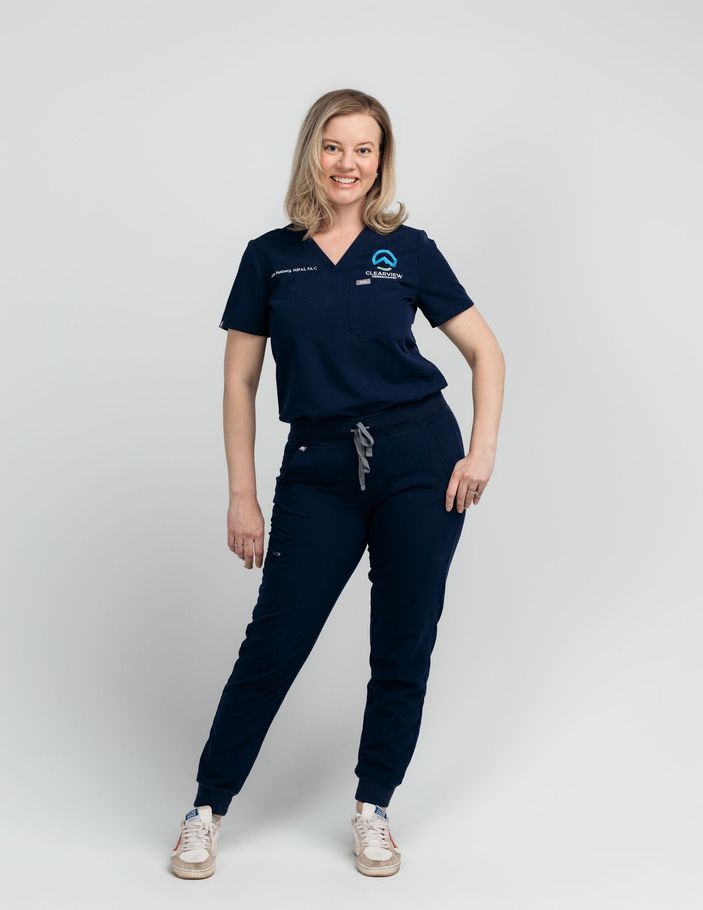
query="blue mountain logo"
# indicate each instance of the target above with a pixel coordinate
(384, 256)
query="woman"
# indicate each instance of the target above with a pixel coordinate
(374, 457)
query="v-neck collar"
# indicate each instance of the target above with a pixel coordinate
(345, 254)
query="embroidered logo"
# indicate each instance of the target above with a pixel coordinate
(293, 269)
(384, 261)
(384, 256)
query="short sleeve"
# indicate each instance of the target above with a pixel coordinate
(440, 295)
(247, 306)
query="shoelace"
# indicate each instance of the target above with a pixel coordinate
(195, 834)
(374, 832)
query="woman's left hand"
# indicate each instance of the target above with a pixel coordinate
(468, 480)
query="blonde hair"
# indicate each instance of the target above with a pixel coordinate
(305, 203)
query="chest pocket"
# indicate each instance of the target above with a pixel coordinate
(381, 309)
(305, 304)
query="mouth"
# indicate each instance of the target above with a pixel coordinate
(344, 181)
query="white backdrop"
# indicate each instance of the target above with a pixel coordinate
(553, 151)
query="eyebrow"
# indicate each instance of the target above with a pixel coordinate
(337, 142)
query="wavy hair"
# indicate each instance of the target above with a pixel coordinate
(306, 204)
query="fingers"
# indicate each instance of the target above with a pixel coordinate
(451, 493)
(464, 491)
(249, 549)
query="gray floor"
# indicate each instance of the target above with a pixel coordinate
(528, 839)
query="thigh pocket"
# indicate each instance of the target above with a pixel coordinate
(380, 309)
(444, 440)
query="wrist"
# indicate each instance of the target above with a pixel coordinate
(242, 493)
(482, 448)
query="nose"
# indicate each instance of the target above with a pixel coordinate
(347, 160)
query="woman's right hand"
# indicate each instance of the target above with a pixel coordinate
(245, 530)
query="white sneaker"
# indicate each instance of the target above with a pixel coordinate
(376, 851)
(196, 848)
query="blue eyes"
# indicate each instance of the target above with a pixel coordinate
(332, 146)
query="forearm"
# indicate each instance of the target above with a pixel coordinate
(488, 378)
(239, 423)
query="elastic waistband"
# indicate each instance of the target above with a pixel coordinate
(396, 417)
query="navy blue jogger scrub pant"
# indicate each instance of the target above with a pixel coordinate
(345, 484)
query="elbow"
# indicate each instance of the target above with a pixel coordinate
(240, 383)
(490, 351)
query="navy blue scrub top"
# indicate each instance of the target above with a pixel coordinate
(341, 334)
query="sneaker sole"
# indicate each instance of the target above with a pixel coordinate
(185, 873)
(378, 871)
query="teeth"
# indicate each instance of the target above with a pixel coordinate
(345, 179)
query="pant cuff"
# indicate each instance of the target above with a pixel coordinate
(371, 791)
(218, 800)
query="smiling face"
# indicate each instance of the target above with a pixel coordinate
(350, 151)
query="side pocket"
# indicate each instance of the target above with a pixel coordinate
(293, 454)
(290, 450)
(444, 440)
(460, 451)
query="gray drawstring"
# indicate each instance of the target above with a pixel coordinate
(363, 442)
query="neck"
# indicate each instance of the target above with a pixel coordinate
(348, 220)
